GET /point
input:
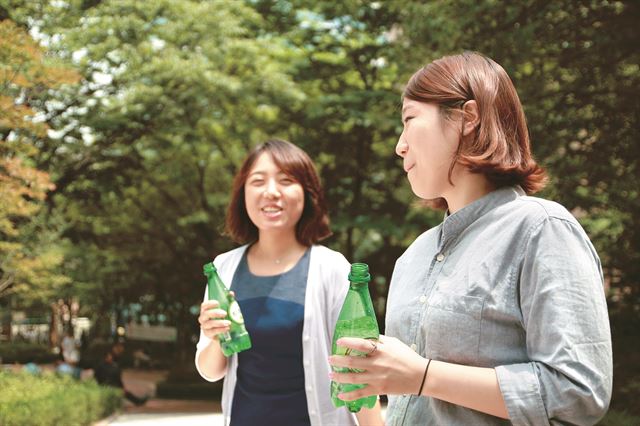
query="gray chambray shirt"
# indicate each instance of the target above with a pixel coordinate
(509, 282)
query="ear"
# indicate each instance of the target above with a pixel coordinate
(471, 117)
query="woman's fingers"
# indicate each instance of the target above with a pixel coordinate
(211, 314)
(353, 362)
(215, 313)
(212, 319)
(357, 394)
(351, 378)
(388, 367)
(208, 325)
(213, 328)
(365, 346)
(209, 304)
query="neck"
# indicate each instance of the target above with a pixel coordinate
(468, 188)
(277, 246)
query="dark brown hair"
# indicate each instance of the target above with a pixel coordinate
(313, 225)
(500, 149)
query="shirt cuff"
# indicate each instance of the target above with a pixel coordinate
(521, 392)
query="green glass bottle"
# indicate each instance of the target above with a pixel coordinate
(236, 339)
(357, 319)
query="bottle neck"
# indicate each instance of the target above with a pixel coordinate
(358, 286)
(216, 287)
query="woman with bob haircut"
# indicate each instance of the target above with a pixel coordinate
(498, 314)
(290, 291)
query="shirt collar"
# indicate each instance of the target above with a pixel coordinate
(454, 224)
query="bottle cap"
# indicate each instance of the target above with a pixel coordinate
(209, 268)
(359, 273)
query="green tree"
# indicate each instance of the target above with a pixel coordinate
(350, 122)
(30, 259)
(173, 95)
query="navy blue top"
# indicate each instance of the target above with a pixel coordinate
(270, 377)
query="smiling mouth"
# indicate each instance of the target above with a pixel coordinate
(271, 210)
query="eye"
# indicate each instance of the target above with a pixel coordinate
(256, 182)
(286, 181)
(406, 119)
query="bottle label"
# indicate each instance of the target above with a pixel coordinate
(235, 314)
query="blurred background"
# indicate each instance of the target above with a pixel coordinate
(123, 122)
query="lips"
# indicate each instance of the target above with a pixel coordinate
(407, 168)
(271, 209)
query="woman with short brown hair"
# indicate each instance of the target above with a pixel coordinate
(498, 314)
(290, 291)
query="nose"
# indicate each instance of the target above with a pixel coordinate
(272, 191)
(402, 147)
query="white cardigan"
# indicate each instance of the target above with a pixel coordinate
(327, 286)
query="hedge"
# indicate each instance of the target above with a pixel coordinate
(47, 399)
(22, 353)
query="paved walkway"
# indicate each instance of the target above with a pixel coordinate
(166, 412)
(161, 412)
(165, 420)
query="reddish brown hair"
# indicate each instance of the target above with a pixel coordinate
(313, 225)
(500, 149)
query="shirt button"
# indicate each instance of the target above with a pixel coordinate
(312, 412)
(306, 338)
(414, 347)
(306, 363)
(440, 257)
(309, 388)
(423, 298)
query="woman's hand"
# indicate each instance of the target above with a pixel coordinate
(392, 368)
(209, 319)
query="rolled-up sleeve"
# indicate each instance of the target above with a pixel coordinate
(564, 315)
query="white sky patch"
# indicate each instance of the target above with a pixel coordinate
(87, 135)
(59, 4)
(101, 78)
(55, 134)
(78, 55)
(380, 62)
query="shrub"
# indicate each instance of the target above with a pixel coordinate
(48, 399)
(22, 353)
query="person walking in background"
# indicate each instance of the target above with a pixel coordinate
(497, 315)
(69, 360)
(63, 368)
(109, 373)
(69, 348)
(290, 291)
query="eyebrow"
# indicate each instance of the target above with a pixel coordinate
(405, 108)
(262, 172)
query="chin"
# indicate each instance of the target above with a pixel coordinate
(425, 192)
(421, 193)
